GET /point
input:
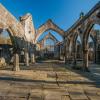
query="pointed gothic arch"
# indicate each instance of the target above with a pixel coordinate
(14, 27)
(49, 25)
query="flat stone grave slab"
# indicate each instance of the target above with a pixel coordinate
(56, 94)
(76, 93)
(92, 94)
(50, 86)
(52, 96)
(11, 98)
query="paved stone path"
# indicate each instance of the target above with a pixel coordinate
(50, 81)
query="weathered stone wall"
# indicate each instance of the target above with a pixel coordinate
(28, 25)
(49, 25)
(9, 22)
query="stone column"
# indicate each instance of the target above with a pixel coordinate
(32, 58)
(16, 62)
(66, 53)
(22, 56)
(66, 57)
(85, 60)
(74, 59)
(59, 53)
(95, 53)
(26, 58)
(74, 55)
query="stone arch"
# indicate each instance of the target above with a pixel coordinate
(49, 25)
(14, 27)
(84, 24)
(72, 46)
(86, 34)
(92, 47)
(50, 36)
(91, 20)
(50, 39)
(93, 38)
(71, 42)
(85, 45)
(74, 40)
(68, 42)
(10, 35)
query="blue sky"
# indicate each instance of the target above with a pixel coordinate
(63, 12)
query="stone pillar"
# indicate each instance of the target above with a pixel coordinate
(59, 52)
(32, 58)
(22, 56)
(66, 53)
(85, 60)
(16, 62)
(74, 59)
(95, 53)
(26, 58)
(66, 57)
(74, 55)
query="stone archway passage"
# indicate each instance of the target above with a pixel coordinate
(83, 27)
(15, 28)
(16, 32)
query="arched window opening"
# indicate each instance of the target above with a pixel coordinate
(48, 48)
(93, 42)
(55, 34)
(5, 46)
(49, 45)
(97, 42)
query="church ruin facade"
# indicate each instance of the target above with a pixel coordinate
(24, 39)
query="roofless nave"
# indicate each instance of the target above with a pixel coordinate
(25, 47)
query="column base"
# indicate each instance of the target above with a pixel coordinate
(85, 69)
(16, 68)
(32, 59)
(26, 59)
